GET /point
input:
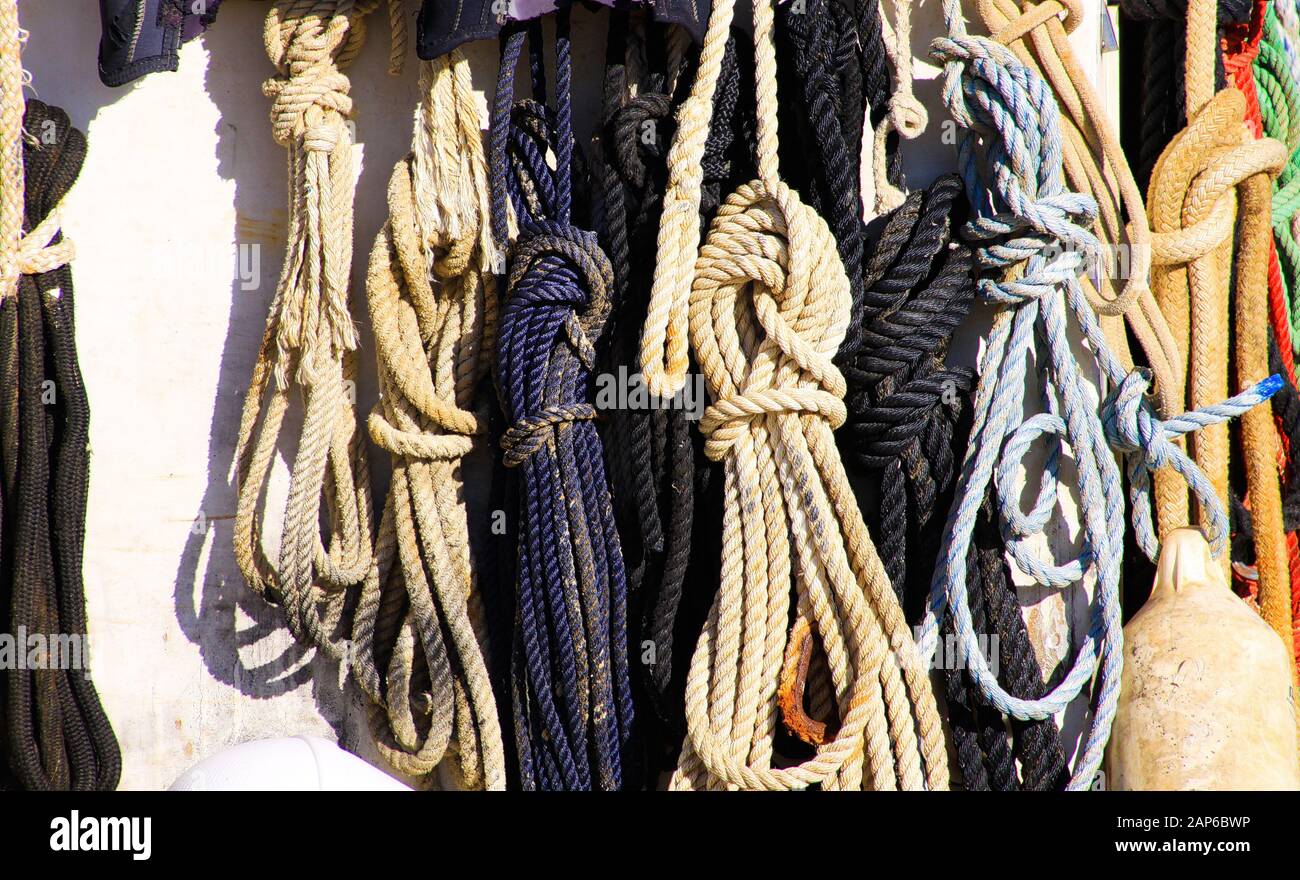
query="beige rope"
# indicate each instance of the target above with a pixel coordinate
(12, 105)
(433, 343)
(1193, 207)
(664, 356)
(906, 115)
(310, 340)
(769, 307)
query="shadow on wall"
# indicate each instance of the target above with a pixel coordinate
(232, 626)
(211, 600)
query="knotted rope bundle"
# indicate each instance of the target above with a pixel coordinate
(420, 636)
(1194, 189)
(570, 677)
(904, 403)
(57, 736)
(310, 341)
(768, 310)
(1035, 241)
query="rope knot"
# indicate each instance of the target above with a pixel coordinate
(908, 115)
(531, 433)
(641, 127)
(776, 357)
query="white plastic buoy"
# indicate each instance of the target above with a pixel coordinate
(1205, 699)
(297, 763)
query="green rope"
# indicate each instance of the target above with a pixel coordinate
(1279, 104)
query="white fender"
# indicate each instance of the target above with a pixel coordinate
(1205, 700)
(296, 763)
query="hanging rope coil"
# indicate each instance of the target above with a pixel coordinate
(1194, 189)
(1034, 243)
(57, 735)
(419, 634)
(310, 340)
(571, 682)
(777, 398)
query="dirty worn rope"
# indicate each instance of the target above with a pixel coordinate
(1034, 243)
(768, 310)
(57, 736)
(419, 635)
(570, 677)
(310, 340)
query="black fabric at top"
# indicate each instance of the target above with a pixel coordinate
(139, 37)
(445, 24)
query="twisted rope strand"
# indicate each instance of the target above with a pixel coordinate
(310, 339)
(433, 344)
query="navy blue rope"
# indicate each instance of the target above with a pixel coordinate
(570, 681)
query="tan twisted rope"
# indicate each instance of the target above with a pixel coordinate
(310, 340)
(11, 148)
(433, 342)
(1192, 204)
(1095, 164)
(664, 343)
(906, 115)
(768, 309)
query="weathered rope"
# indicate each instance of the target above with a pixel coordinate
(1035, 242)
(570, 677)
(310, 340)
(664, 337)
(57, 736)
(767, 313)
(1194, 189)
(420, 641)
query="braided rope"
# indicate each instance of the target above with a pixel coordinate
(570, 677)
(310, 340)
(57, 736)
(1034, 243)
(768, 311)
(420, 612)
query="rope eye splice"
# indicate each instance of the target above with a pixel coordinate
(571, 686)
(1034, 243)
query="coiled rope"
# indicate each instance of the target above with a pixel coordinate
(768, 310)
(310, 341)
(1194, 189)
(57, 736)
(420, 632)
(651, 456)
(1034, 243)
(570, 676)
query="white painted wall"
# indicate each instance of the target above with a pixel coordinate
(181, 170)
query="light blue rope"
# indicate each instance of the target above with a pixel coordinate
(1010, 155)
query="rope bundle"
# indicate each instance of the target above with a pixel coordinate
(663, 489)
(570, 678)
(310, 340)
(1034, 243)
(768, 310)
(57, 735)
(420, 632)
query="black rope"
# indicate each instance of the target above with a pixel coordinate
(657, 471)
(54, 728)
